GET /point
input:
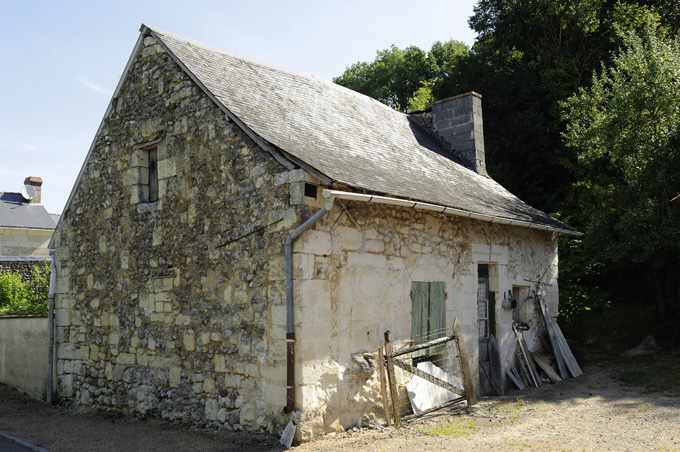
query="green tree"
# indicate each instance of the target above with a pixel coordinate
(402, 78)
(625, 129)
(25, 298)
(528, 57)
(13, 292)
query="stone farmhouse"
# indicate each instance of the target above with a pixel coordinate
(240, 234)
(25, 228)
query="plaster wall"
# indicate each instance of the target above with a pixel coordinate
(353, 282)
(23, 354)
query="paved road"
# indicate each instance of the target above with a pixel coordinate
(7, 445)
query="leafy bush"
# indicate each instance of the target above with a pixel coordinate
(25, 298)
(12, 290)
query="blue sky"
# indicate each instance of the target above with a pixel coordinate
(61, 60)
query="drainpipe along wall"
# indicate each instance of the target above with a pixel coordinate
(290, 319)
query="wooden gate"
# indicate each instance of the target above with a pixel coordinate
(453, 345)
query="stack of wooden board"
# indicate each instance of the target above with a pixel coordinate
(527, 369)
(565, 358)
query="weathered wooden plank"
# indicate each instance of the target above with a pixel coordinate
(470, 392)
(383, 388)
(441, 340)
(523, 372)
(546, 368)
(553, 339)
(425, 376)
(437, 313)
(517, 381)
(391, 378)
(430, 410)
(546, 344)
(572, 364)
(495, 366)
(532, 373)
(530, 362)
(516, 374)
(420, 313)
(488, 378)
(559, 353)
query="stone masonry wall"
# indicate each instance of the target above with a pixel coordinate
(23, 267)
(354, 275)
(155, 314)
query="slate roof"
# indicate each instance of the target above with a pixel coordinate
(16, 212)
(346, 136)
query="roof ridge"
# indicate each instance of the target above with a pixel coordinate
(267, 65)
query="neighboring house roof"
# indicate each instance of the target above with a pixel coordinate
(16, 212)
(343, 135)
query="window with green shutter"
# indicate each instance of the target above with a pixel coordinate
(428, 314)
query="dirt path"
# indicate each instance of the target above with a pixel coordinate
(592, 413)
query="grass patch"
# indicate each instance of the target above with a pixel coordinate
(460, 428)
(658, 373)
(509, 412)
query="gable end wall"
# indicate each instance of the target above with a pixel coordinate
(153, 315)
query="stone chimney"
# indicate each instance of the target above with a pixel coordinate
(36, 183)
(458, 122)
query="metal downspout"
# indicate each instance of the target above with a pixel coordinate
(50, 329)
(290, 320)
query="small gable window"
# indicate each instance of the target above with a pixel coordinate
(152, 171)
(144, 173)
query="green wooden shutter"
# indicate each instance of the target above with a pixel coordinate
(428, 314)
(419, 310)
(437, 314)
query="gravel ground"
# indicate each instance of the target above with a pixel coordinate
(591, 413)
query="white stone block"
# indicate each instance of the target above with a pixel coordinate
(368, 260)
(166, 168)
(346, 239)
(313, 242)
(303, 266)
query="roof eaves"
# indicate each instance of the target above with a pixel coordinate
(351, 196)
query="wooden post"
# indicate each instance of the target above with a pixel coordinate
(391, 378)
(464, 363)
(383, 389)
